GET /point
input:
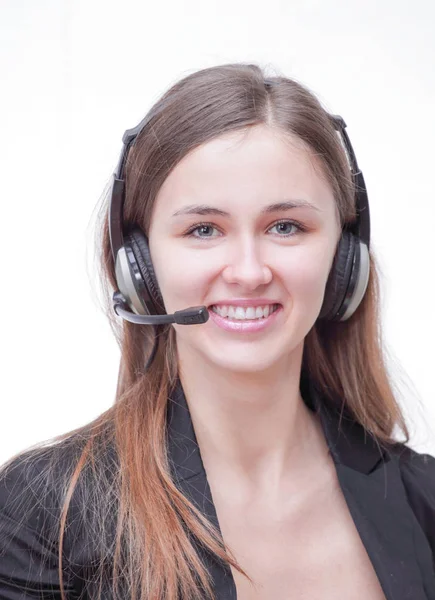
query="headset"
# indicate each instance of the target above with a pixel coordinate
(138, 298)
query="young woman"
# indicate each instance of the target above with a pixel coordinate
(249, 453)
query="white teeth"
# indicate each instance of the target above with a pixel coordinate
(224, 311)
(240, 313)
(250, 312)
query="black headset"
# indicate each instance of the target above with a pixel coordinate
(139, 300)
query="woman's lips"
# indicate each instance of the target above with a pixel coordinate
(244, 325)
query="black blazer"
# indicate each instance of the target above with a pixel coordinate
(390, 494)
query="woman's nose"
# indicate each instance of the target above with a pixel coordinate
(246, 267)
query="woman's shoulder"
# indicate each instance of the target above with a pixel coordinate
(416, 467)
(34, 484)
(34, 489)
(31, 488)
(30, 508)
(417, 471)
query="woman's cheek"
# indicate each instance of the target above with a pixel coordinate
(182, 285)
(307, 271)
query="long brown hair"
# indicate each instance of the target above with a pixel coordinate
(152, 554)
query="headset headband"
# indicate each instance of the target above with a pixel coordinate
(362, 226)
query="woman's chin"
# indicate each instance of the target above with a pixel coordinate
(249, 364)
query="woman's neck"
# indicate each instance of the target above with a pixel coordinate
(253, 427)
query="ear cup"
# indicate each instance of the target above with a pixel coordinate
(139, 244)
(339, 277)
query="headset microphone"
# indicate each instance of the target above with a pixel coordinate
(188, 316)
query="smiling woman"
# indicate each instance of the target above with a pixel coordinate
(251, 454)
(245, 252)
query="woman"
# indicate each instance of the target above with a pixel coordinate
(249, 454)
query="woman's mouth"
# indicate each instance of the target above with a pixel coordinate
(244, 319)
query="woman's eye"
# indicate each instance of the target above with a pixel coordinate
(204, 230)
(284, 229)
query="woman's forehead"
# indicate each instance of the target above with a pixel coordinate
(255, 167)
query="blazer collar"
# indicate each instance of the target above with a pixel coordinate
(371, 482)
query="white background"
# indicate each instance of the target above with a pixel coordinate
(76, 74)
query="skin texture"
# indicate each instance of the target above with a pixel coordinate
(252, 425)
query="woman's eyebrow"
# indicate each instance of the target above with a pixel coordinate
(204, 209)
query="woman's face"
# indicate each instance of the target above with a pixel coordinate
(242, 250)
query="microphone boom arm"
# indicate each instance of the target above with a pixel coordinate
(189, 316)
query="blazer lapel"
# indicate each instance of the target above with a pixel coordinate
(190, 477)
(369, 477)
